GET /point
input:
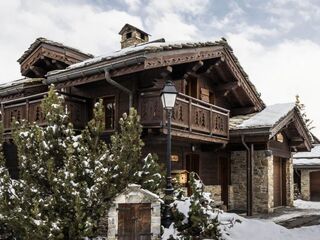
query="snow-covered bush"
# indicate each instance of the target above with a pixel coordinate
(67, 180)
(194, 216)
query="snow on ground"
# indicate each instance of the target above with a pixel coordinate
(235, 227)
(300, 204)
(268, 230)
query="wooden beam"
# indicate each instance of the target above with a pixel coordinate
(221, 73)
(60, 65)
(38, 71)
(166, 72)
(228, 86)
(193, 71)
(47, 62)
(243, 110)
(197, 66)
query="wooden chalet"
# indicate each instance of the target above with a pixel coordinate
(216, 99)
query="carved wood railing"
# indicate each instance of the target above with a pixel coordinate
(29, 108)
(189, 115)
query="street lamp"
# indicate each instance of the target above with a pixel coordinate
(168, 98)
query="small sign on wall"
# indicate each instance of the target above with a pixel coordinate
(174, 158)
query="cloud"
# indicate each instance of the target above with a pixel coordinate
(282, 71)
(79, 25)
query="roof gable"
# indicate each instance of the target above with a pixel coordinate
(267, 118)
(45, 55)
(272, 120)
(154, 55)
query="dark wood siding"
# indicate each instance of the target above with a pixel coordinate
(277, 181)
(315, 186)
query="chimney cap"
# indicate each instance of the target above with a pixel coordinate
(129, 26)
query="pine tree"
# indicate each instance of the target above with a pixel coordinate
(202, 220)
(128, 160)
(302, 109)
(67, 180)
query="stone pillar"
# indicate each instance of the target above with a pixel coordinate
(239, 180)
(230, 197)
(289, 182)
(262, 182)
(270, 181)
(215, 191)
(305, 184)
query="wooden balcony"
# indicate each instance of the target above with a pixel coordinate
(29, 108)
(191, 118)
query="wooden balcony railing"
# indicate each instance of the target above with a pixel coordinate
(29, 108)
(190, 116)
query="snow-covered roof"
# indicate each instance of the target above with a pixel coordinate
(313, 154)
(40, 40)
(17, 85)
(306, 162)
(143, 47)
(267, 118)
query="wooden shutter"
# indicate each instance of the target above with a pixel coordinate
(204, 95)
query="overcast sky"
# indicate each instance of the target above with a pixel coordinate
(276, 41)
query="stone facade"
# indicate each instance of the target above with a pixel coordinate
(134, 194)
(215, 191)
(305, 184)
(289, 182)
(239, 180)
(262, 181)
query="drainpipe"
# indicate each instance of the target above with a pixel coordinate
(249, 175)
(117, 85)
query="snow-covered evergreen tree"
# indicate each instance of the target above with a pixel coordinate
(67, 181)
(302, 109)
(194, 218)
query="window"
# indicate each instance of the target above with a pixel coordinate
(279, 137)
(110, 107)
(128, 35)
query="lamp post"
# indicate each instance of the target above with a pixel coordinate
(168, 98)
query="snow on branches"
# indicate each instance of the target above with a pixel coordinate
(67, 180)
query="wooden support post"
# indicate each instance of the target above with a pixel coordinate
(190, 111)
(27, 110)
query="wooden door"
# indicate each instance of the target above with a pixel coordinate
(277, 181)
(192, 163)
(283, 182)
(134, 221)
(315, 186)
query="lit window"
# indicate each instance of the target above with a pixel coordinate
(279, 137)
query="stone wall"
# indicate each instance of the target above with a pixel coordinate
(262, 182)
(238, 164)
(289, 182)
(215, 191)
(305, 184)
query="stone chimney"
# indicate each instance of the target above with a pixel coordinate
(131, 36)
